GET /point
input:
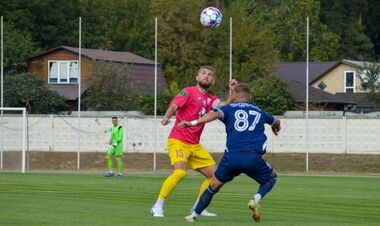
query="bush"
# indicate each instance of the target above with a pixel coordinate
(146, 103)
(28, 90)
(271, 94)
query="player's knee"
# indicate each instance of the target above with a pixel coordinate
(216, 185)
(273, 179)
(179, 174)
(274, 173)
(108, 157)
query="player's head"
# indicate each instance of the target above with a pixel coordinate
(114, 121)
(205, 76)
(241, 92)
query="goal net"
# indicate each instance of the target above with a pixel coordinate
(13, 139)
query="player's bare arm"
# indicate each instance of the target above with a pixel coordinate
(276, 127)
(168, 114)
(231, 84)
(204, 119)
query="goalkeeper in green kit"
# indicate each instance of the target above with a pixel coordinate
(115, 148)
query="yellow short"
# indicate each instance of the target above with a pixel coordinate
(195, 155)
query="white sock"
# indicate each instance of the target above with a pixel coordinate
(159, 203)
(194, 214)
(257, 198)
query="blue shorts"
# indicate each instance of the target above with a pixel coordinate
(250, 163)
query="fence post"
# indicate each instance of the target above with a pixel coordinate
(51, 146)
(345, 134)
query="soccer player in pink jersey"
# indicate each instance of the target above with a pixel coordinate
(183, 144)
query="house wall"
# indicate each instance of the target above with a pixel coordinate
(335, 79)
(40, 65)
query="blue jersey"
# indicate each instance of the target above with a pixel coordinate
(245, 126)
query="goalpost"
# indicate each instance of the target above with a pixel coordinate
(7, 138)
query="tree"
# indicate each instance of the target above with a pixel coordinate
(345, 18)
(370, 76)
(185, 46)
(271, 94)
(50, 23)
(145, 103)
(124, 25)
(29, 90)
(18, 47)
(253, 42)
(110, 87)
(372, 25)
(370, 80)
(287, 19)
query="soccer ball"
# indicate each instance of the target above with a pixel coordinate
(211, 17)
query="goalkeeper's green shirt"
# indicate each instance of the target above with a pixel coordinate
(117, 137)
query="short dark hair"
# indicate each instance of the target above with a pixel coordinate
(114, 117)
(242, 88)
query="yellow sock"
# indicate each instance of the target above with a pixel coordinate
(204, 186)
(170, 183)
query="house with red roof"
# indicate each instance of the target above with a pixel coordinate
(59, 67)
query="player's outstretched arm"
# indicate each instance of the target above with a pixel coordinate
(276, 126)
(231, 84)
(204, 119)
(168, 114)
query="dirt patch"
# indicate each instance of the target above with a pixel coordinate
(283, 163)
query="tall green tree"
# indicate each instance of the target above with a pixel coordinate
(29, 90)
(253, 42)
(181, 39)
(345, 18)
(18, 47)
(110, 87)
(372, 25)
(123, 25)
(50, 23)
(287, 19)
(185, 45)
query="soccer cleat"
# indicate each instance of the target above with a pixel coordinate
(157, 212)
(255, 210)
(109, 174)
(120, 175)
(190, 218)
(204, 213)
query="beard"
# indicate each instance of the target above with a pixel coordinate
(204, 85)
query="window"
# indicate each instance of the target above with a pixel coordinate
(322, 85)
(63, 71)
(349, 81)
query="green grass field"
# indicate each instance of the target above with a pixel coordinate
(89, 199)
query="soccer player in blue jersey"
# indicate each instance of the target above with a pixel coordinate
(246, 143)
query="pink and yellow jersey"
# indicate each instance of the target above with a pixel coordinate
(192, 104)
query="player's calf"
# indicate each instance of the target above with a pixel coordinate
(267, 186)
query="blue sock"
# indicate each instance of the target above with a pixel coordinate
(204, 200)
(267, 186)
